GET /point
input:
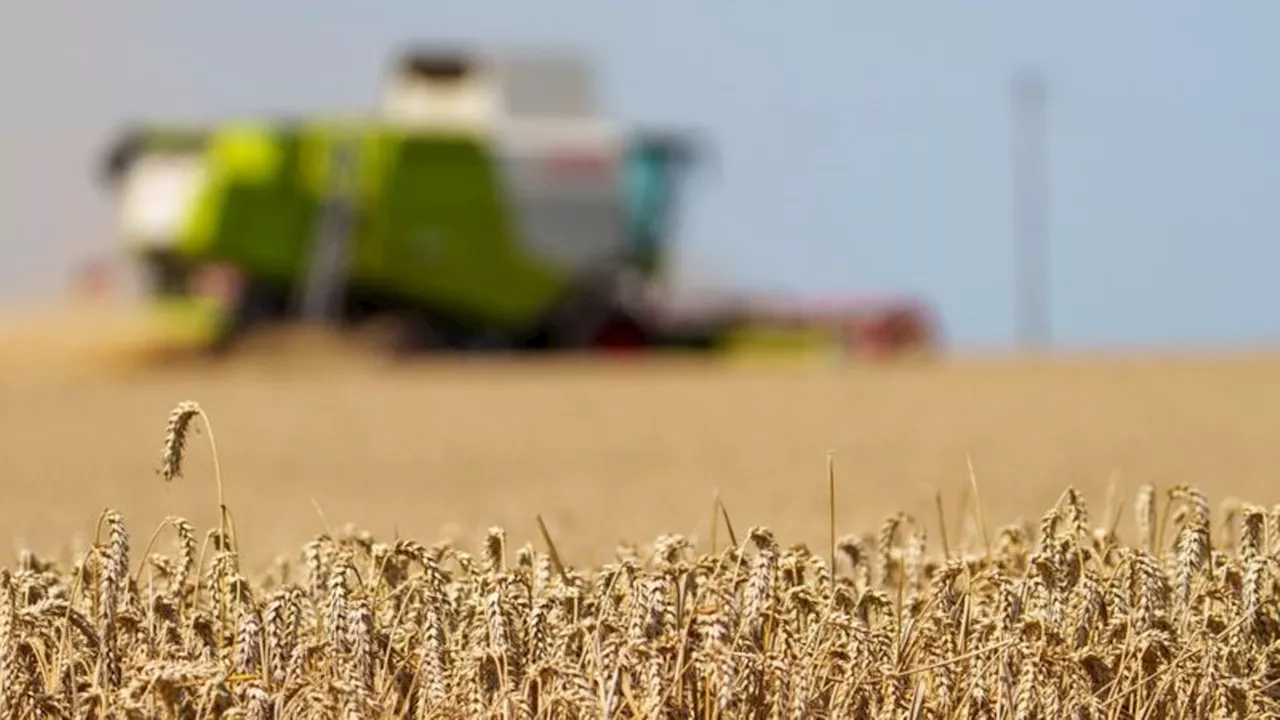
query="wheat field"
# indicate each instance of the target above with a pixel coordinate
(628, 451)
(384, 556)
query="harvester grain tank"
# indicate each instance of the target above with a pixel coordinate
(487, 204)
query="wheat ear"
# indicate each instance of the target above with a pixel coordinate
(175, 445)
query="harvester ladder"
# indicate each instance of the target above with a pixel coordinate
(323, 291)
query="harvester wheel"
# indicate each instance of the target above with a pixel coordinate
(256, 305)
(622, 333)
(577, 322)
(422, 331)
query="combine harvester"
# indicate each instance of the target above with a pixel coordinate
(485, 207)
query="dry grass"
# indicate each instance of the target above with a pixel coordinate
(1064, 618)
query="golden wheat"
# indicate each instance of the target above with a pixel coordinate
(1059, 620)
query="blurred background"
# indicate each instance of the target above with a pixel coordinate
(858, 148)
(1074, 178)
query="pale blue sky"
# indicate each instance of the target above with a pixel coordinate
(861, 147)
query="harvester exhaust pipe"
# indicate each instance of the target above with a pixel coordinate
(322, 294)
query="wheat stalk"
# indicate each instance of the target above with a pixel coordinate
(174, 453)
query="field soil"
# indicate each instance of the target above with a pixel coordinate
(609, 452)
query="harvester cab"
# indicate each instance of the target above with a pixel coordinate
(484, 203)
(439, 89)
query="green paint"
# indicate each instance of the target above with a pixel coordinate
(444, 233)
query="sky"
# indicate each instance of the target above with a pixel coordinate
(858, 147)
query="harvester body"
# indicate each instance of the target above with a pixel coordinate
(486, 205)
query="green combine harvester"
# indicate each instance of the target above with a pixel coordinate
(486, 206)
